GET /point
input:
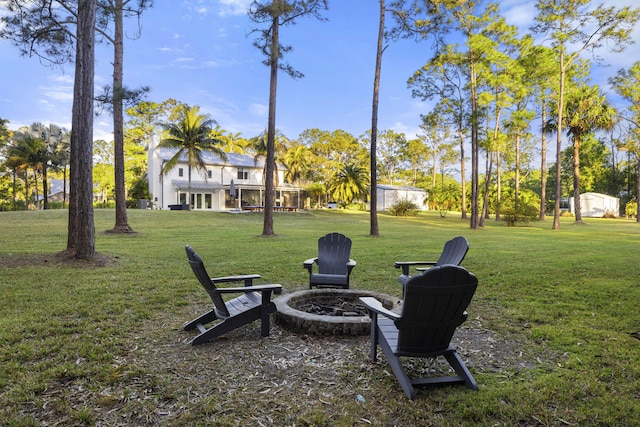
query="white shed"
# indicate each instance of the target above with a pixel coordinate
(388, 195)
(596, 205)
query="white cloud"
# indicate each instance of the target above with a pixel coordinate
(233, 7)
(216, 64)
(59, 88)
(62, 78)
(518, 13)
(259, 110)
(165, 49)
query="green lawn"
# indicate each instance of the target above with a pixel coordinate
(98, 345)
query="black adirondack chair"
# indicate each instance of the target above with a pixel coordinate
(434, 306)
(254, 303)
(453, 253)
(334, 264)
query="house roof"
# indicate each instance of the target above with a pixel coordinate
(399, 187)
(233, 159)
(56, 186)
(196, 185)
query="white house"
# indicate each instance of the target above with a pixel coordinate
(388, 195)
(596, 205)
(58, 190)
(229, 184)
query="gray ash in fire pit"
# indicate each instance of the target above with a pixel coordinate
(328, 311)
(337, 307)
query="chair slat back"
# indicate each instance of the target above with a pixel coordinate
(197, 265)
(454, 251)
(434, 306)
(334, 251)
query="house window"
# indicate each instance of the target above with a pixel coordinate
(180, 172)
(209, 174)
(243, 174)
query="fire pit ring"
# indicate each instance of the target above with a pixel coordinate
(353, 323)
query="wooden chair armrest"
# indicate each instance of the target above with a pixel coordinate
(406, 264)
(256, 288)
(350, 265)
(308, 264)
(247, 278)
(376, 306)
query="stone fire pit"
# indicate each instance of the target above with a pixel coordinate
(328, 311)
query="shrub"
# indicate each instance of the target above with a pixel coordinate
(58, 205)
(527, 210)
(404, 207)
(631, 208)
(111, 204)
(445, 199)
(356, 207)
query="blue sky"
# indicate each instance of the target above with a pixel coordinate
(199, 52)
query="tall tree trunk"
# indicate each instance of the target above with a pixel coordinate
(487, 182)
(463, 180)
(576, 178)
(267, 227)
(517, 174)
(189, 188)
(122, 225)
(373, 199)
(35, 194)
(45, 192)
(638, 188)
(496, 153)
(474, 146)
(81, 232)
(13, 193)
(26, 189)
(543, 166)
(434, 168)
(64, 187)
(560, 108)
(498, 185)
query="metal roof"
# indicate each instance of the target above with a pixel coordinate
(233, 159)
(196, 185)
(399, 187)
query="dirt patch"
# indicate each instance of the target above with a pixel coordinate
(243, 379)
(288, 378)
(56, 259)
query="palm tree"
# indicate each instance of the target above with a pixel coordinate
(233, 142)
(586, 111)
(31, 152)
(60, 149)
(349, 183)
(191, 136)
(317, 190)
(15, 165)
(259, 146)
(57, 144)
(298, 162)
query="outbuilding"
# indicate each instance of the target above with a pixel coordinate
(596, 205)
(389, 195)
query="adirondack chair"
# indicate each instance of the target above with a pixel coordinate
(453, 253)
(434, 306)
(254, 303)
(334, 264)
